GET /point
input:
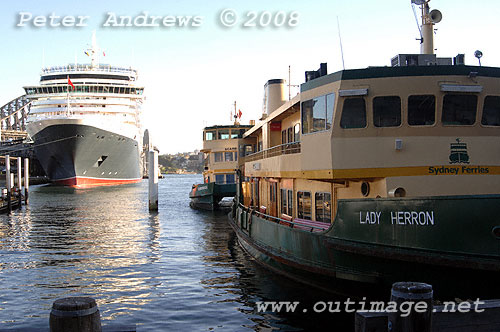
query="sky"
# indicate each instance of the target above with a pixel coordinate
(194, 73)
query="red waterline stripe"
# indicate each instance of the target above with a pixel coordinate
(82, 182)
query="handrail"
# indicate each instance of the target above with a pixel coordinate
(88, 67)
(287, 148)
(292, 223)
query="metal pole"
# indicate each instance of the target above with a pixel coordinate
(26, 179)
(153, 180)
(7, 181)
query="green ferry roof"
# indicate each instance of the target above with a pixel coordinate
(228, 127)
(400, 71)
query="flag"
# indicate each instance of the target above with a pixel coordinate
(104, 54)
(239, 114)
(86, 53)
(71, 83)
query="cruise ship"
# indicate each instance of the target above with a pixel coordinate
(85, 124)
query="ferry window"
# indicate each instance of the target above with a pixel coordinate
(209, 136)
(290, 134)
(330, 104)
(228, 156)
(219, 178)
(236, 156)
(353, 113)
(218, 157)
(230, 178)
(317, 113)
(323, 206)
(421, 110)
(223, 134)
(284, 201)
(242, 131)
(491, 111)
(283, 137)
(234, 134)
(248, 149)
(290, 202)
(459, 109)
(296, 132)
(387, 111)
(304, 205)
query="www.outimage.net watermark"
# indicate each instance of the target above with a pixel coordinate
(348, 306)
(226, 18)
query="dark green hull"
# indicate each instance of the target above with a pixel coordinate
(449, 242)
(207, 196)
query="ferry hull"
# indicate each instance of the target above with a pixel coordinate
(207, 196)
(462, 261)
(80, 155)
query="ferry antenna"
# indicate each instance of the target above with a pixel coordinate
(418, 25)
(290, 84)
(340, 41)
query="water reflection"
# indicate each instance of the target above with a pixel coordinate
(178, 269)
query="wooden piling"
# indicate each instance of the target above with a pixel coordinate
(19, 181)
(153, 180)
(26, 179)
(411, 293)
(76, 314)
(8, 183)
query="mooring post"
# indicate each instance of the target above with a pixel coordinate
(7, 182)
(414, 307)
(19, 180)
(153, 180)
(26, 179)
(76, 314)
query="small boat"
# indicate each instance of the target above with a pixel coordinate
(377, 175)
(220, 148)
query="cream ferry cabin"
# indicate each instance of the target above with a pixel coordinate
(407, 131)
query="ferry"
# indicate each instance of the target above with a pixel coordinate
(220, 148)
(85, 124)
(373, 176)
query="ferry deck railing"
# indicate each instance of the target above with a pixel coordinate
(278, 150)
(281, 221)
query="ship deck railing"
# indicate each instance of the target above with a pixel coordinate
(278, 150)
(302, 224)
(88, 67)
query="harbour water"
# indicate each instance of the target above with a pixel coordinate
(178, 270)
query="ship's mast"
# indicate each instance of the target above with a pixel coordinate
(94, 52)
(429, 18)
(427, 46)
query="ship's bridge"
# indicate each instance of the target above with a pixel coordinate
(87, 71)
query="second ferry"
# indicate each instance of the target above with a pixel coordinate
(85, 124)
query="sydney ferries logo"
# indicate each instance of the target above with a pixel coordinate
(458, 155)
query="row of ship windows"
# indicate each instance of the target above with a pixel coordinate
(322, 205)
(225, 156)
(457, 109)
(211, 135)
(72, 111)
(86, 89)
(225, 178)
